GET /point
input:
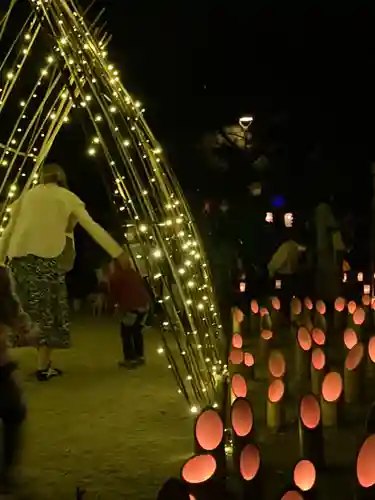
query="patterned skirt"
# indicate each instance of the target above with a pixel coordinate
(40, 286)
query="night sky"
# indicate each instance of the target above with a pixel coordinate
(307, 77)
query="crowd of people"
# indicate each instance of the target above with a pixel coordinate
(38, 250)
(306, 259)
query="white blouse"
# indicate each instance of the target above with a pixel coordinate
(42, 220)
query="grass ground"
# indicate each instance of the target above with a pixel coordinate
(118, 434)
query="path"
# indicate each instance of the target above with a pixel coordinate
(118, 434)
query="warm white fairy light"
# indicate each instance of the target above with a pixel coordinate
(172, 234)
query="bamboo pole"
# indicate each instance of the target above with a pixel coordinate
(274, 405)
(318, 364)
(353, 374)
(331, 393)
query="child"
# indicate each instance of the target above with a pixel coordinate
(12, 410)
(128, 291)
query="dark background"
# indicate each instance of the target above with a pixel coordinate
(306, 75)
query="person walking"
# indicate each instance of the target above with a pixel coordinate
(40, 248)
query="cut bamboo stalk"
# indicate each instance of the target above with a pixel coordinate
(318, 337)
(264, 345)
(239, 387)
(318, 363)
(339, 315)
(304, 475)
(274, 405)
(310, 430)
(265, 319)
(249, 362)
(303, 353)
(331, 393)
(365, 470)
(237, 319)
(371, 357)
(295, 311)
(352, 374)
(276, 365)
(254, 317)
(209, 436)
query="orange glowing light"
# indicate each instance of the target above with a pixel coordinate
(308, 303)
(352, 306)
(304, 339)
(320, 307)
(318, 336)
(266, 335)
(359, 316)
(242, 418)
(304, 475)
(237, 341)
(249, 462)
(292, 495)
(339, 304)
(318, 359)
(236, 356)
(199, 469)
(366, 463)
(209, 430)
(276, 364)
(276, 303)
(254, 307)
(310, 411)
(350, 338)
(239, 386)
(332, 387)
(249, 359)
(242, 287)
(371, 349)
(276, 391)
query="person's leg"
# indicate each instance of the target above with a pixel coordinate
(12, 414)
(127, 340)
(138, 336)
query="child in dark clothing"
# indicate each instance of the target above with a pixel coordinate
(13, 322)
(128, 291)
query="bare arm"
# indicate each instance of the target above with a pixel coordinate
(99, 234)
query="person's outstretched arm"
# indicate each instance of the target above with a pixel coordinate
(99, 234)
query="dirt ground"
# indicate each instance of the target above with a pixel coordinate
(116, 433)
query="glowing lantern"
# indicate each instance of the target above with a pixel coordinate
(367, 289)
(242, 287)
(288, 219)
(360, 277)
(278, 284)
(269, 217)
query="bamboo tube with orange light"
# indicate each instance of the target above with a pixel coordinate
(319, 316)
(304, 476)
(339, 315)
(370, 365)
(265, 319)
(318, 365)
(310, 431)
(331, 393)
(365, 470)
(237, 319)
(353, 373)
(238, 387)
(295, 311)
(292, 494)
(249, 363)
(265, 341)
(274, 405)
(200, 474)
(275, 313)
(358, 319)
(209, 437)
(303, 354)
(254, 316)
(276, 365)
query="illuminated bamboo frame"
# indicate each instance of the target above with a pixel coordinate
(191, 335)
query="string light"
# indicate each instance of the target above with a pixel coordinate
(145, 191)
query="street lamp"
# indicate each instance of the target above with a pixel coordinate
(245, 122)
